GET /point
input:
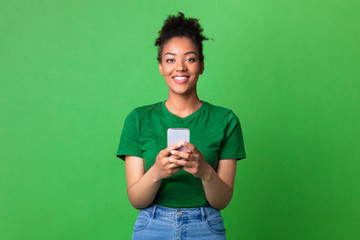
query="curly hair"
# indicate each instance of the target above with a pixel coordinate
(179, 26)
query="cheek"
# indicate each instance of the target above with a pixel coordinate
(196, 70)
(167, 71)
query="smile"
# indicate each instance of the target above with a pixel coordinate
(181, 79)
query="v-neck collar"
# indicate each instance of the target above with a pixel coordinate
(189, 117)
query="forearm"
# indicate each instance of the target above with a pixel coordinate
(142, 193)
(217, 192)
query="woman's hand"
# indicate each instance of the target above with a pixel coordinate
(192, 161)
(164, 167)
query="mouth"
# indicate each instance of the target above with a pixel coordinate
(181, 79)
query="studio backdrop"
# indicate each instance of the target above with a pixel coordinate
(71, 71)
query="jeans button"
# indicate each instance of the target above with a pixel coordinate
(179, 214)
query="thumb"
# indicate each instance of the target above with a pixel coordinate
(166, 152)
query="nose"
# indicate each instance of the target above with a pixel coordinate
(181, 66)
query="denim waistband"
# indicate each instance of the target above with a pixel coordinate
(179, 213)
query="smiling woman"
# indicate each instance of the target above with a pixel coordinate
(181, 66)
(180, 192)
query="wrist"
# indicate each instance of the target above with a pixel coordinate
(209, 173)
(154, 176)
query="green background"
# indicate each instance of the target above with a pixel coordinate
(71, 71)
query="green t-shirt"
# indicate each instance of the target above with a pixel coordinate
(214, 131)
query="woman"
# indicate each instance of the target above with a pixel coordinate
(180, 193)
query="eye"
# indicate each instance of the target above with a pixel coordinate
(170, 60)
(191, 60)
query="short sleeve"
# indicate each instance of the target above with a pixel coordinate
(129, 140)
(232, 145)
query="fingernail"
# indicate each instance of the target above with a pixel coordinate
(172, 151)
(188, 150)
(179, 145)
(171, 160)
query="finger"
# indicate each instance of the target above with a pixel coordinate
(165, 152)
(176, 166)
(188, 145)
(187, 150)
(172, 167)
(176, 169)
(183, 163)
(172, 159)
(181, 154)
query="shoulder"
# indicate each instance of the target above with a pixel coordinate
(221, 112)
(145, 110)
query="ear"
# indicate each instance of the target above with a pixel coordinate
(202, 67)
(161, 69)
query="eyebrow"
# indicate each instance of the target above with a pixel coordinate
(170, 53)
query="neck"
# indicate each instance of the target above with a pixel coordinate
(182, 105)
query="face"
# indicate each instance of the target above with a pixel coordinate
(180, 65)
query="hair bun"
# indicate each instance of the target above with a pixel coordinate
(179, 26)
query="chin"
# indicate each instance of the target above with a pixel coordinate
(182, 92)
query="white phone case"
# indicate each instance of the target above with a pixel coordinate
(176, 135)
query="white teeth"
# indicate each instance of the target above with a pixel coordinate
(180, 78)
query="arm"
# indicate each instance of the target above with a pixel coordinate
(142, 187)
(218, 186)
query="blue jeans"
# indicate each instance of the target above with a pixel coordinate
(201, 223)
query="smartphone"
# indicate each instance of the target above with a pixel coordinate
(175, 135)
